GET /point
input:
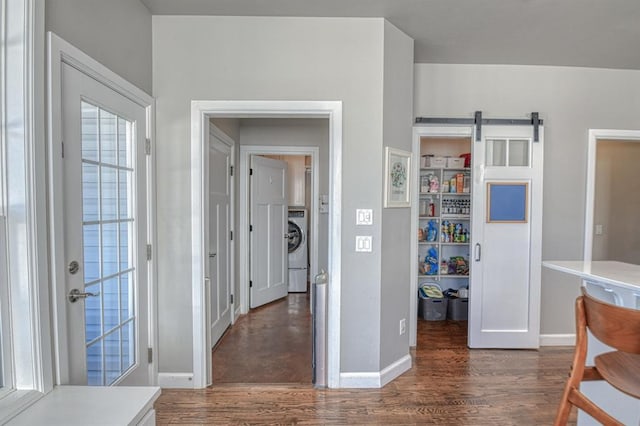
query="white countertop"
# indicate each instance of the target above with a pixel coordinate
(90, 405)
(604, 271)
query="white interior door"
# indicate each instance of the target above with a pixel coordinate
(219, 266)
(504, 309)
(268, 273)
(104, 169)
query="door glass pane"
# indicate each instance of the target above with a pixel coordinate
(519, 152)
(93, 313)
(108, 243)
(112, 357)
(108, 137)
(90, 193)
(94, 364)
(496, 150)
(109, 178)
(89, 131)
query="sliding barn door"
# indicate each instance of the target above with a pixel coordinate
(504, 309)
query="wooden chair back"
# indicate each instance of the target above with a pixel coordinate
(616, 326)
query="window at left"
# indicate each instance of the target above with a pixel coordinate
(25, 352)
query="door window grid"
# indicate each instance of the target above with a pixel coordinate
(508, 152)
(108, 225)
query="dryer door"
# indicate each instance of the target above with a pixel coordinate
(295, 236)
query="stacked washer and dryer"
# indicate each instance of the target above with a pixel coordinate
(298, 254)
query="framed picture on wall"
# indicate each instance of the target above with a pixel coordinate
(397, 182)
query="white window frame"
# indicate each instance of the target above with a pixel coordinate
(27, 326)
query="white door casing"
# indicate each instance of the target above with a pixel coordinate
(201, 112)
(505, 256)
(268, 247)
(110, 207)
(218, 235)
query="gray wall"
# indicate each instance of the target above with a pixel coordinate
(571, 101)
(296, 132)
(116, 33)
(246, 58)
(396, 223)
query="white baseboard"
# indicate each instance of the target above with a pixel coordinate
(175, 380)
(376, 379)
(557, 340)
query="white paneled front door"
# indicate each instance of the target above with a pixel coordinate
(504, 301)
(268, 274)
(104, 197)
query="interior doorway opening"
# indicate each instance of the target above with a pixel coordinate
(202, 113)
(612, 202)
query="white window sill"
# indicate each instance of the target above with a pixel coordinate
(15, 402)
(91, 405)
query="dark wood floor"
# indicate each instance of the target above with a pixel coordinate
(448, 383)
(270, 345)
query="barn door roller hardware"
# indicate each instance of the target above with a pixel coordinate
(478, 122)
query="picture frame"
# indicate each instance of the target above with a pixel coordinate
(397, 178)
(507, 202)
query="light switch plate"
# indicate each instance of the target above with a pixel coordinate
(364, 243)
(364, 217)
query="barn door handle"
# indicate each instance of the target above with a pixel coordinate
(478, 250)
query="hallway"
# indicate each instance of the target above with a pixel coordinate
(272, 344)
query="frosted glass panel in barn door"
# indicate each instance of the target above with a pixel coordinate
(504, 301)
(105, 235)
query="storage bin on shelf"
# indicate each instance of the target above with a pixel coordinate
(455, 162)
(433, 161)
(431, 308)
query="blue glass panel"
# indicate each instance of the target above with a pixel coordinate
(123, 193)
(111, 304)
(124, 142)
(92, 313)
(109, 249)
(90, 192)
(89, 115)
(112, 357)
(128, 346)
(108, 196)
(108, 134)
(126, 296)
(91, 245)
(125, 245)
(95, 375)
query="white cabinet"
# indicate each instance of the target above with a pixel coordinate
(444, 226)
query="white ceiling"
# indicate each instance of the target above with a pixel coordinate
(590, 33)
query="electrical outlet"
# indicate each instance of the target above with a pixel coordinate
(364, 243)
(403, 326)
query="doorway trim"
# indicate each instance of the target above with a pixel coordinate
(594, 136)
(201, 112)
(246, 151)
